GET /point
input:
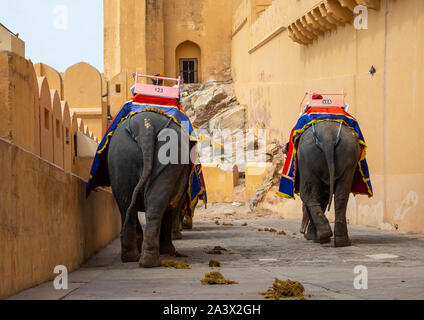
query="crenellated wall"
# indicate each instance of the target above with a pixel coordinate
(53, 77)
(45, 158)
(273, 78)
(55, 115)
(82, 87)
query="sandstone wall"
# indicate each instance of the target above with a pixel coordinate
(53, 77)
(82, 87)
(146, 39)
(271, 73)
(206, 23)
(46, 220)
(17, 103)
(10, 42)
(83, 92)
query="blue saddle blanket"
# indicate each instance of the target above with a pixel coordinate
(289, 180)
(99, 175)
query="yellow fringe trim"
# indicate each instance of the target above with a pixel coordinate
(283, 195)
(201, 192)
(109, 135)
(305, 127)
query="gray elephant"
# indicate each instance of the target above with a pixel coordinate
(141, 182)
(328, 155)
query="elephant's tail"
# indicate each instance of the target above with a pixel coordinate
(146, 142)
(329, 155)
(327, 146)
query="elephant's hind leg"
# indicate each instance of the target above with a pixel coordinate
(150, 252)
(157, 200)
(311, 231)
(341, 237)
(130, 251)
(341, 198)
(166, 246)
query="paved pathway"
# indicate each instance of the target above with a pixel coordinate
(395, 264)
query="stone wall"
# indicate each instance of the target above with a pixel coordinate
(53, 77)
(82, 87)
(146, 39)
(17, 100)
(45, 220)
(10, 42)
(272, 80)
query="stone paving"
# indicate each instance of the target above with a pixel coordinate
(395, 264)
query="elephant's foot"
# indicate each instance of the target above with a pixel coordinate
(149, 260)
(129, 251)
(310, 236)
(341, 238)
(167, 248)
(130, 256)
(342, 241)
(323, 240)
(324, 234)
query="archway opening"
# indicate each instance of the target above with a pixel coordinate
(187, 56)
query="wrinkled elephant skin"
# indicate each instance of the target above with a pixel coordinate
(141, 183)
(326, 169)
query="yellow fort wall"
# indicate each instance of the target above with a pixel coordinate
(10, 42)
(207, 23)
(17, 103)
(83, 91)
(271, 73)
(53, 77)
(220, 181)
(46, 220)
(45, 217)
(144, 35)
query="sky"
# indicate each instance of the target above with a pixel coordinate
(59, 33)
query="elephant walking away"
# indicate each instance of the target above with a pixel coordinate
(141, 182)
(328, 155)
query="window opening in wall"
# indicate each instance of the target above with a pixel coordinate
(189, 70)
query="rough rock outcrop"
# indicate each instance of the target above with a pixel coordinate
(208, 101)
(275, 151)
(214, 109)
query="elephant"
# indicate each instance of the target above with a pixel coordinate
(327, 154)
(142, 181)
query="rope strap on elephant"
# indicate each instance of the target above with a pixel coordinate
(289, 184)
(99, 175)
